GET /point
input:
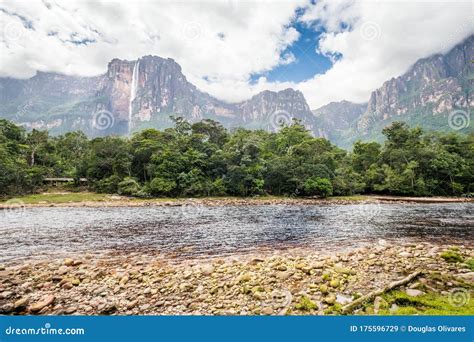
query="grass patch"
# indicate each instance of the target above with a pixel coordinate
(470, 264)
(66, 195)
(306, 304)
(62, 197)
(452, 256)
(349, 198)
(428, 304)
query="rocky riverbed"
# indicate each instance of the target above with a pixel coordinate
(290, 282)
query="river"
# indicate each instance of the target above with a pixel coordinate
(197, 231)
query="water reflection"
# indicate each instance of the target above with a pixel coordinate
(223, 230)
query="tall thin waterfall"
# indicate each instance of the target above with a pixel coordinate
(133, 94)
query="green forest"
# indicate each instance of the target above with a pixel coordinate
(206, 159)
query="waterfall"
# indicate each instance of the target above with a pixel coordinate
(133, 94)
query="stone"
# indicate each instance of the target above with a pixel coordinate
(244, 277)
(2, 267)
(267, 310)
(414, 292)
(123, 280)
(68, 262)
(21, 304)
(334, 283)
(377, 302)
(405, 254)
(283, 275)
(393, 308)
(67, 285)
(319, 264)
(324, 289)
(343, 270)
(44, 302)
(331, 299)
(207, 269)
(108, 308)
(467, 276)
(7, 309)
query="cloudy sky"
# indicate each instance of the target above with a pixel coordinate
(329, 49)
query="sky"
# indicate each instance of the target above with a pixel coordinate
(331, 50)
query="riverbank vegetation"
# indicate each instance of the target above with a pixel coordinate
(205, 159)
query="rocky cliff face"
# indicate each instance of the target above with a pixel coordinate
(436, 93)
(136, 94)
(333, 120)
(133, 95)
(426, 94)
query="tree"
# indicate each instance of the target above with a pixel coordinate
(321, 187)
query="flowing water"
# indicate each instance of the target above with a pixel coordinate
(133, 94)
(196, 231)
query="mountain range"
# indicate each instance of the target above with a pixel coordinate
(133, 95)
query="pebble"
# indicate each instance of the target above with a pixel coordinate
(414, 292)
(207, 269)
(44, 302)
(135, 283)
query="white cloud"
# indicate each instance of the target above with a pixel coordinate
(223, 40)
(219, 44)
(385, 39)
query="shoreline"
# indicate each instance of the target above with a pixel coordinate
(122, 201)
(280, 283)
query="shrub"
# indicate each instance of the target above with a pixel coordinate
(129, 187)
(321, 187)
(161, 186)
(108, 185)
